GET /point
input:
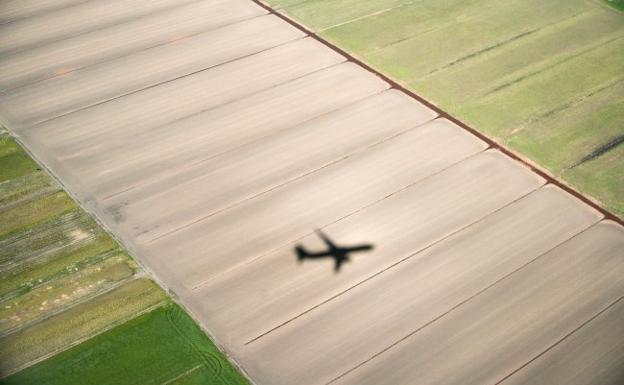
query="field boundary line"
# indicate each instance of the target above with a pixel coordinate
(491, 142)
(119, 22)
(146, 271)
(71, 305)
(562, 339)
(238, 147)
(564, 107)
(110, 326)
(139, 50)
(460, 304)
(499, 44)
(184, 374)
(84, 263)
(31, 197)
(577, 54)
(376, 13)
(330, 163)
(163, 82)
(20, 263)
(347, 215)
(409, 256)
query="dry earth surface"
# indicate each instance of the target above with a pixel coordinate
(215, 144)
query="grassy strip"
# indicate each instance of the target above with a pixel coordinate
(431, 19)
(521, 60)
(57, 294)
(618, 4)
(60, 234)
(522, 105)
(457, 43)
(320, 14)
(15, 162)
(594, 175)
(20, 217)
(21, 281)
(569, 129)
(162, 346)
(77, 323)
(64, 280)
(16, 191)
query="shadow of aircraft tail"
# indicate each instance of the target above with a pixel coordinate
(301, 253)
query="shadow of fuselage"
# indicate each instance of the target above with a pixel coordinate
(339, 254)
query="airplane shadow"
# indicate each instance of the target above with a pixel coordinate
(338, 253)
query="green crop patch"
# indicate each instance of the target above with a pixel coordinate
(619, 4)
(39, 272)
(455, 43)
(60, 293)
(57, 235)
(605, 170)
(322, 14)
(569, 129)
(162, 346)
(551, 47)
(74, 307)
(37, 210)
(77, 323)
(384, 29)
(14, 161)
(17, 191)
(556, 89)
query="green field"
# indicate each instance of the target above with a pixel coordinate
(619, 4)
(544, 78)
(163, 346)
(74, 307)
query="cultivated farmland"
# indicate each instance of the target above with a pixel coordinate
(63, 280)
(161, 346)
(213, 137)
(544, 78)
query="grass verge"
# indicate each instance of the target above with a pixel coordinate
(543, 78)
(618, 4)
(163, 346)
(74, 307)
(77, 323)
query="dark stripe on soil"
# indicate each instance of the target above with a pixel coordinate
(601, 150)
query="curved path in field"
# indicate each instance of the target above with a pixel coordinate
(212, 138)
